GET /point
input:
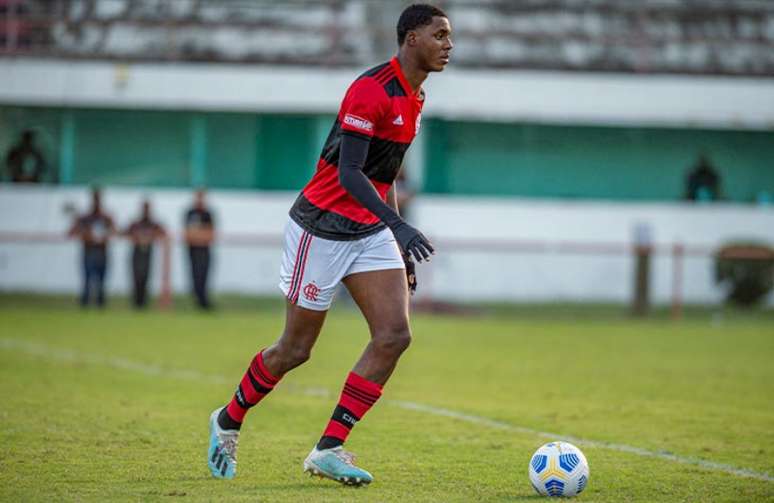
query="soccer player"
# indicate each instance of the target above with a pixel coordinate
(344, 227)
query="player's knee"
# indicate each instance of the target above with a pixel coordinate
(393, 340)
(298, 355)
(291, 356)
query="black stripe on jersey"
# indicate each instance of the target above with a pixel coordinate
(373, 71)
(382, 163)
(384, 156)
(385, 76)
(394, 88)
(384, 160)
(328, 225)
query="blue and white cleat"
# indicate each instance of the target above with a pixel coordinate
(336, 464)
(221, 456)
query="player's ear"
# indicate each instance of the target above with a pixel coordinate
(411, 38)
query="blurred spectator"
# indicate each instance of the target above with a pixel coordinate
(199, 235)
(703, 181)
(15, 30)
(143, 232)
(94, 229)
(24, 161)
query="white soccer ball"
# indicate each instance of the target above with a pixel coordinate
(559, 469)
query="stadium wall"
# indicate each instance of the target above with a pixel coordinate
(575, 250)
(531, 134)
(279, 152)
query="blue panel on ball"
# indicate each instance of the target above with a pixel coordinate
(539, 462)
(554, 487)
(582, 483)
(568, 462)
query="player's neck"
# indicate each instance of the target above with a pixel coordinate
(411, 70)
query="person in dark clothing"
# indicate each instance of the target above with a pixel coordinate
(94, 229)
(199, 235)
(143, 232)
(24, 161)
(703, 181)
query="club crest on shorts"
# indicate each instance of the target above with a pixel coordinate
(311, 291)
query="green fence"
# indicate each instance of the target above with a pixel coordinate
(592, 162)
(279, 152)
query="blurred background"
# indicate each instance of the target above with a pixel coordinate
(583, 151)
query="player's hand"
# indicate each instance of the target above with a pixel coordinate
(412, 242)
(411, 274)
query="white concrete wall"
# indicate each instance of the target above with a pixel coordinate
(454, 274)
(551, 97)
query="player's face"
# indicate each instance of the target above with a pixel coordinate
(433, 43)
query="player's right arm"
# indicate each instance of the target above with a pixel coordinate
(363, 107)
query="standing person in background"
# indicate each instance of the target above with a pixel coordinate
(24, 161)
(143, 232)
(199, 235)
(703, 181)
(94, 229)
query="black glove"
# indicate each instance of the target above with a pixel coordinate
(411, 241)
(411, 275)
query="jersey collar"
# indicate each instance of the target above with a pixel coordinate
(419, 94)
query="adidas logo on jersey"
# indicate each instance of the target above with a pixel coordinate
(398, 120)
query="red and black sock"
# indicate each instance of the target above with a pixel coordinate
(256, 384)
(358, 395)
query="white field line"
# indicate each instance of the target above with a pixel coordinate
(73, 356)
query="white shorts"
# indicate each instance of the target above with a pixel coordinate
(312, 267)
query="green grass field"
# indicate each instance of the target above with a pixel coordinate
(112, 406)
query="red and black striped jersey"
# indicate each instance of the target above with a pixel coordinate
(381, 107)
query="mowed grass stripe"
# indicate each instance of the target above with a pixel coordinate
(72, 356)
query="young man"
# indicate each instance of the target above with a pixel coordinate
(344, 227)
(199, 236)
(94, 229)
(143, 232)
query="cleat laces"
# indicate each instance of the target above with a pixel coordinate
(346, 456)
(228, 444)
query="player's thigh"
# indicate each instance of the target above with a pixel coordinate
(382, 296)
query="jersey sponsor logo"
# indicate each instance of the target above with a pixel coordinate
(311, 291)
(358, 122)
(398, 120)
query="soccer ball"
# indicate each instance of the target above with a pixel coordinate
(559, 469)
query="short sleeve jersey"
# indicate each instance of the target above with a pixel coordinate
(196, 218)
(144, 232)
(97, 228)
(379, 106)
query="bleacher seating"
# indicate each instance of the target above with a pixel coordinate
(724, 37)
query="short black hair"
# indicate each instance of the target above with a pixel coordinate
(414, 16)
